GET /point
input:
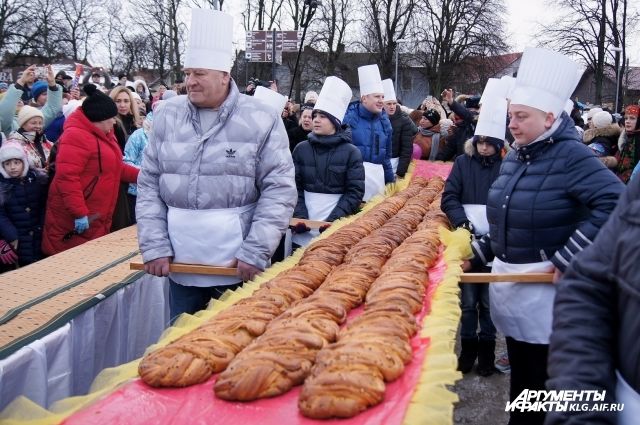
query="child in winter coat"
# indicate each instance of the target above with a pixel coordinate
(23, 195)
(464, 201)
(133, 154)
(30, 135)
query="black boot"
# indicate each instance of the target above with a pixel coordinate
(486, 358)
(468, 355)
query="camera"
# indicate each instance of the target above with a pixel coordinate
(41, 71)
(256, 83)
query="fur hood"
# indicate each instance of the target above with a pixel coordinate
(469, 149)
(612, 130)
(623, 139)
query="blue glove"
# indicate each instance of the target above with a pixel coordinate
(81, 224)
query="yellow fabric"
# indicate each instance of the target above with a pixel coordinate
(23, 411)
(432, 401)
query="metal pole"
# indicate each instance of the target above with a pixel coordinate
(396, 84)
(617, 82)
(617, 50)
(273, 55)
(306, 19)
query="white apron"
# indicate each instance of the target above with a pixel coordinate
(394, 164)
(631, 399)
(209, 237)
(373, 180)
(319, 206)
(477, 215)
(523, 311)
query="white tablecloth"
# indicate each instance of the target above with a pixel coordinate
(65, 362)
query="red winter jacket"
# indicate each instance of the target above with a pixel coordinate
(89, 169)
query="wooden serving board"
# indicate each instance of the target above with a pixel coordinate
(311, 224)
(193, 268)
(506, 277)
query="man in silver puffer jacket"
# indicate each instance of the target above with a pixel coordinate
(216, 185)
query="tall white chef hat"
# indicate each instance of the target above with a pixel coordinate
(545, 80)
(492, 121)
(271, 98)
(389, 91)
(334, 97)
(495, 88)
(210, 40)
(370, 80)
(510, 84)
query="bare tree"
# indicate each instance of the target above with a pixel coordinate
(385, 22)
(265, 14)
(450, 31)
(581, 30)
(329, 30)
(81, 21)
(176, 36)
(589, 29)
(12, 18)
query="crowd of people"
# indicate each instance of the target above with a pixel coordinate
(531, 182)
(72, 150)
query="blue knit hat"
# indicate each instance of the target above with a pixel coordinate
(335, 121)
(497, 143)
(38, 88)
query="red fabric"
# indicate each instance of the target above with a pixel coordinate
(76, 167)
(198, 404)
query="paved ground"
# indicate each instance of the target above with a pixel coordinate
(482, 400)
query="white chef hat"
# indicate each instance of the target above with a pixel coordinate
(210, 40)
(271, 98)
(492, 121)
(545, 80)
(510, 84)
(334, 97)
(389, 91)
(370, 80)
(496, 87)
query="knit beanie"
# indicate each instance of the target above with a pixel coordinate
(432, 116)
(26, 113)
(13, 150)
(592, 112)
(311, 97)
(602, 119)
(98, 106)
(497, 143)
(38, 88)
(335, 121)
(472, 102)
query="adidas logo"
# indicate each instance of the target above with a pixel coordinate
(231, 153)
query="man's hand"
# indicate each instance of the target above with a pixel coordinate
(246, 271)
(75, 93)
(557, 275)
(28, 75)
(158, 267)
(51, 77)
(447, 96)
(466, 266)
